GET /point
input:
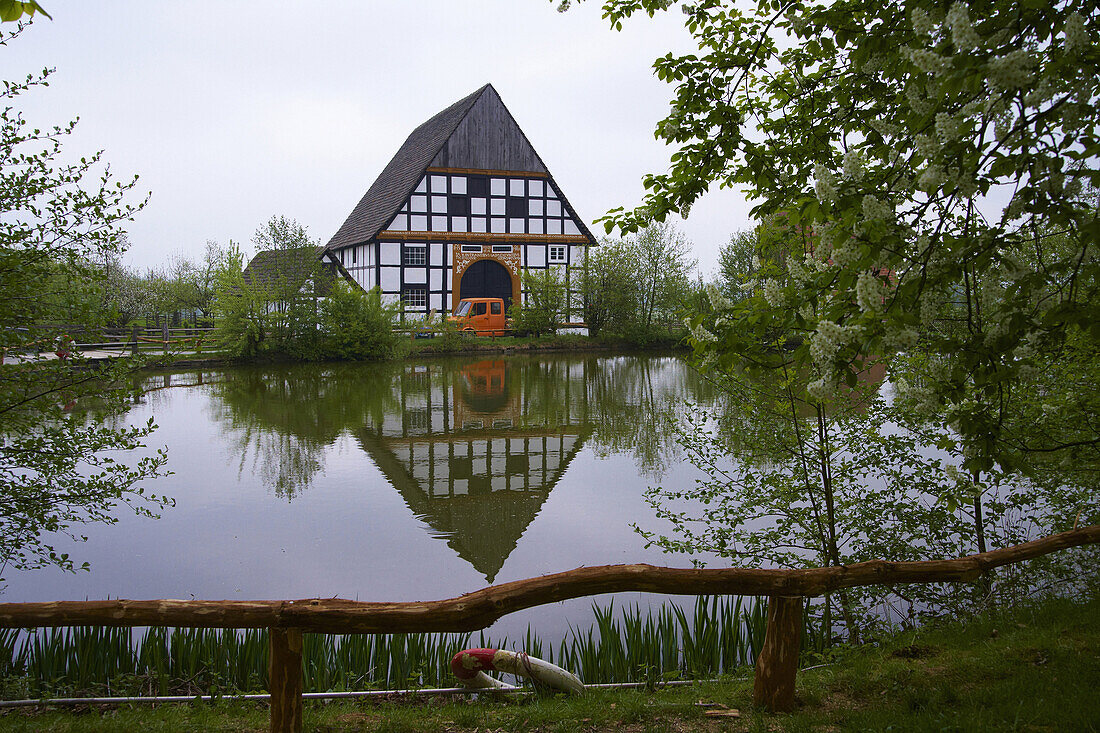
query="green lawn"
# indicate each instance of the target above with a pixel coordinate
(1031, 670)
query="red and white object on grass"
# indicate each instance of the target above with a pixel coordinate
(470, 666)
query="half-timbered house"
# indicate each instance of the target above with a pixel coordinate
(460, 211)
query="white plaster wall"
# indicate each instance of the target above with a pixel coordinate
(390, 278)
(536, 256)
(390, 253)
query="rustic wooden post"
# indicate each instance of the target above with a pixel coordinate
(285, 680)
(777, 663)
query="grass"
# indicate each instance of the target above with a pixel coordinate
(1026, 670)
(623, 645)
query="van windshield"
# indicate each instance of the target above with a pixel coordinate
(463, 308)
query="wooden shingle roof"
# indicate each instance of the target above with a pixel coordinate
(387, 194)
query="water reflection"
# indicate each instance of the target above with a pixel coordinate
(472, 456)
(474, 447)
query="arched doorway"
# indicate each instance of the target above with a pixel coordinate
(487, 279)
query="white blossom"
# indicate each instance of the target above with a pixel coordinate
(926, 146)
(1011, 71)
(1077, 39)
(824, 184)
(922, 23)
(828, 339)
(853, 164)
(868, 292)
(773, 293)
(927, 61)
(821, 389)
(875, 210)
(963, 34)
(702, 335)
(900, 338)
(947, 127)
(931, 178)
(717, 301)
(846, 253)
(798, 23)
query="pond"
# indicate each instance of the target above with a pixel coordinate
(392, 482)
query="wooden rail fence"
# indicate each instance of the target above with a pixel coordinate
(776, 665)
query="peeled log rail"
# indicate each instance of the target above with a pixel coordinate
(481, 608)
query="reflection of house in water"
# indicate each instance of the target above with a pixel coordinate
(475, 455)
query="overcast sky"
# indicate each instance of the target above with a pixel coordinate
(233, 111)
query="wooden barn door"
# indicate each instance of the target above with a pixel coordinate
(487, 279)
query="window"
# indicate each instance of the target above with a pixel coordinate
(502, 248)
(471, 248)
(557, 253)
(416, 255)
(495, 308)
(414, 298)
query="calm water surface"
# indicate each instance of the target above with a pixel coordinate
(393, 482)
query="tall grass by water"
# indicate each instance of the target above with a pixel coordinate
(622, 645)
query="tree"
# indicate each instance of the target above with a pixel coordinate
(545, 298)
(607, 287)
(59, 452)
(664, 267)
(632, 286)
(356, 324)
(884, 130)
(15, 9)
(273, 306)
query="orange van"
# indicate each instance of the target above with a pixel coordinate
(483, 316)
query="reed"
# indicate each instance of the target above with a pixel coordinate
(629, 644)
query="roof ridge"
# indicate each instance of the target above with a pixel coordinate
(400, 176)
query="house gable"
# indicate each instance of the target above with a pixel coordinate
(466, 186)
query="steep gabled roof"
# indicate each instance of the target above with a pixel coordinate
(476, 132)
(387, 194)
